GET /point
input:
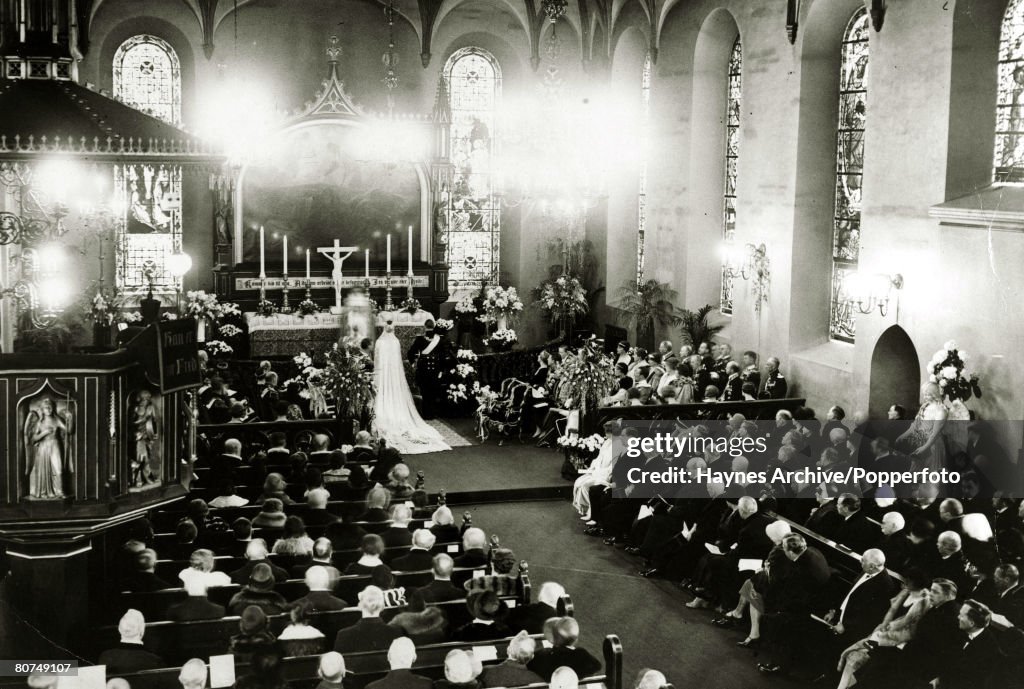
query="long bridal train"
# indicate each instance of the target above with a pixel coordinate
(395, 415)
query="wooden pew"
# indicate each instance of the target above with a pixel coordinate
(753, 410)
(154, 604)
(257, 434)
(366, 667)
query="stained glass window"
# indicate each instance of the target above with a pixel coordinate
(641, 205)
(853, 83)
(147, 77)
(733, 106)
(150, 229)
(1009, 153)
(474, 215)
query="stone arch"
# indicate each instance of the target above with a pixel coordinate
(895, 373)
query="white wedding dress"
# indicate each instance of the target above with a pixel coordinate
(395, 415)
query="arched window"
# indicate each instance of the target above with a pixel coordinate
(733, 106)
(474, 216)
(147, 77)
(1009, 153)
(853, 84)
(645, 133)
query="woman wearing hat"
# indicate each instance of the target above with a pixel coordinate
(370, 562)
(271, 516)
(502, 582)
(300, 638)
(259, 592)
(488, 613)
(295, 541)
(254, 635)
(265, 672)
(274, 487)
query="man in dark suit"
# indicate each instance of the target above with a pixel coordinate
(144, 578)
(197, 606)
(363, 451)
(935, 640)
(531, 618)
(979, 654)
(316, 513)
(370, 633)
(749, 542)
(440, 589)
(750, 374)
(474, 553)
(320, 598)
(130, 655)
(855, 531)
(401, 657)
(224, 465)
(345, 534)
(419, 557)
(322, 554)
(789, 602)
(256, 553)
(951, 514)
(948, 561)
(1009, 594)
(398, 534)
(563, 653)
(895, 542)
(864, 605)
(425, 354)
(732, 388)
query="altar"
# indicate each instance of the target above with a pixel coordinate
(288, 334)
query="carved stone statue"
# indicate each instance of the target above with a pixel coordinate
(145, 421)
(47, 448)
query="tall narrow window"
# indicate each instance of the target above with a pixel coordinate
(733, 107)
(1009, 153)
(474, 215)
(853, 84)
(645, 134)
(147, 77)
(150, 229)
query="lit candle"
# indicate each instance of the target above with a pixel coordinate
(389, 253)
(307, 265)
(263, 271)
(284, 254)
(410, 249)
(367, 254)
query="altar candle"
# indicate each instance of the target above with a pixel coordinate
(263, 272)
(367, 254)
(307, 265)
(410, 249)
(284, 253)
(389, 253)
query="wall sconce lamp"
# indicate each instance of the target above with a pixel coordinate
(868, 292)
(749, 262)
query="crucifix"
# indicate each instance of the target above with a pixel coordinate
(334, 253)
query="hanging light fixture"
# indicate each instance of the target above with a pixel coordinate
(553, 11)
(390, 59)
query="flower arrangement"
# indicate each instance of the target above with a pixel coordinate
(501, 303)
(502, 340)
(200, 304)
(347, 379)
(411, 305)
(228, 331)
(310, 384)
(947, 370)
(564, 298)
(131, 317)
(590, 444)
(443, 325)
(266, 308)
(465, 305)
(485, 397)
(218, 348)
(307, 307)
(585, 380)
(460, 380)
(104, 310)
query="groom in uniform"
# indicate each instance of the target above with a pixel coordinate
(425, 356)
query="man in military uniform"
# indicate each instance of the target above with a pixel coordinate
(775, 386)
(424, 355)
(750, 374)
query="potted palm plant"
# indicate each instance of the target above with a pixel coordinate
(645, 305)
(695, 328)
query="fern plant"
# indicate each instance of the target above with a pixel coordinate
(646, 304)
(695, 327)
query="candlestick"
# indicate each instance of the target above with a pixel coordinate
(388, 269)
(284, 254)
(263, 267)
(307, 265)
(388, 304)
(410, 250)
(367, 253)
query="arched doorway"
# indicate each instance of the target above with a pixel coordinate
(895, 373)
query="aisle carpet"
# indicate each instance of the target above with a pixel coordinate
(655, 629)
(451, 436)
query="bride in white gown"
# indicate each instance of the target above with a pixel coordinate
(395, 415)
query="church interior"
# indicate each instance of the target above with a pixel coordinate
(332, 334)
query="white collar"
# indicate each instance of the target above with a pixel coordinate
(477, 620)
(971, 636)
